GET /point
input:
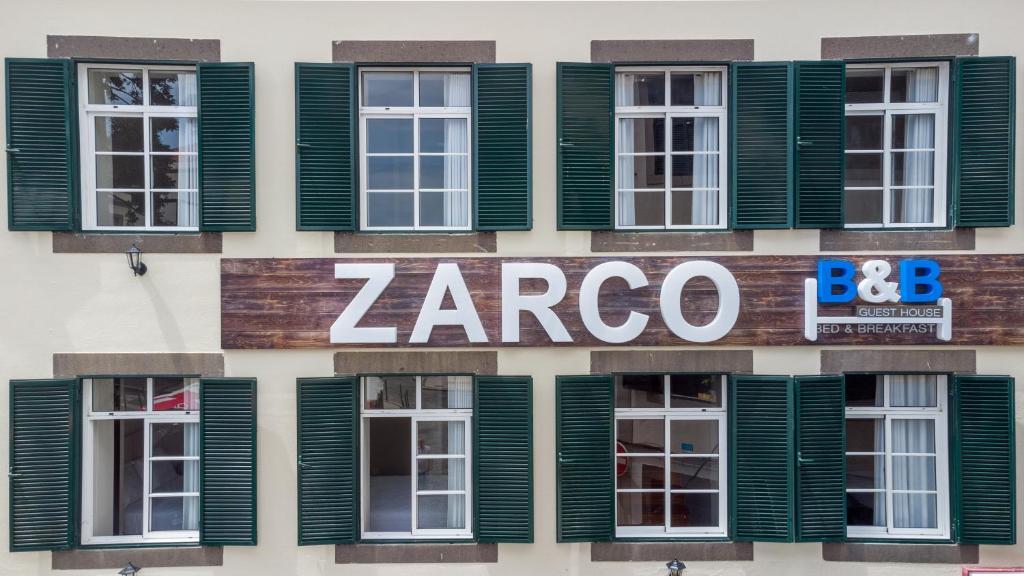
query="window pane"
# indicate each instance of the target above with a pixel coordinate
(174, 439)
(864, 132)
(642, 135)
(447, 172)
(863, 206)
(696, 88)
(115, 87)
(174, 513)
(389, 173)
(173, 134)
(117, 468)
(174, 171)
(865, 508)
(694, 436)
(640, 508)
(642, 172)
(640, 391)
(170, 88)
(914, 85)
(118, 394)
(441, 437)
(915, 436)
(440, 392)
(913, 472)
(695, 207)
(695, 510)
(695, 134)
(913, 390)
(636, 436)
(172, 476)
(863, 389)
(865, 472)
(865, 435)
(175, 209)
(121, 208)
(864, 85)
(175, 394)
(444, 135)
(695, 390)
(450, 89)
(697, 473)
(913, 206)
(642, 209)
(913, 168)
(390, 209)
(118, 134)
(913, 131)
(915, 511)
(122, 171)
(863, 170)
(384, 89)
(695, 171)
(389, 135)
(640, 89)
(440, 512)
(449, 208)
(441, 474)
(389, 498)
(389, 392)
(640, 472)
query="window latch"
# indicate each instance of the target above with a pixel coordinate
(302, 145)
(13, 150)
(801, 142)
(11, 474)
(801, 460)
(302, 464)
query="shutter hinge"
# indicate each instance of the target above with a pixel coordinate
(801, 142)
(801, 460)
(302, 145)
(11, 474)
(13, 150)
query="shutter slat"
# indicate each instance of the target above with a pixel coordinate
(328, 467)
(820, 97)
(227, 147)
(761, 151)
(227, 430)
(821, 458)
(586, 110)
(586, 484)
(501, 123)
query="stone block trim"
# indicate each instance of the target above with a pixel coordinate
(90, 364)
(415, 553)
(903, 46)
(365, 243)
(690, 50)
(921, 240)
(721, 361)
(951, 361)
(119, 47)
(423, 51)
(78, 243)
(676, 241)
(432, 362)
(913, 553)
(114, 559)
(665, 551)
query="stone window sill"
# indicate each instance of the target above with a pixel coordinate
(672, 241)
(426, 553)
(875, 240)
(99, 243)
(421, 243)
(624, 551)
(116, 558)
(914, 553)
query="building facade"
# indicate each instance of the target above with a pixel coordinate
(494, 288)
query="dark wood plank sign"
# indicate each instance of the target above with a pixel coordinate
(633, 301)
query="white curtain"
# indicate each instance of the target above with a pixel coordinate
(460, 395)
(912, 390)
(919, 132)
(706, 92)
(879, 479)
(627, 144)
(190, 505)
(188, 172)
(456, 134)
(913, 472)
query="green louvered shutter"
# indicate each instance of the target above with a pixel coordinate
(40, 144)
(325, 149)
(820, 103)
(821, 458)
(501, 127)
(585, 409)
(983, 140)
(503, 421)
(984, 465)
(328, 466)
(761, 471)
(227, 452)
(586, 110)
(761, 144)
(227, 147)
(43, 429)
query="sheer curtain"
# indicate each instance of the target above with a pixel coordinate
(188, 144)
(879, 481)
(919, 132)
(190, 504)
(706, 92)
(913, 453)
(456, 135)
(460, 395)
(627, 145)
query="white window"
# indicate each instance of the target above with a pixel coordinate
(416, 457)
(414, 127)
(140, 460)
(670, 147)
(139, 143)
(897, 481)
(896, 145)
(670, 457)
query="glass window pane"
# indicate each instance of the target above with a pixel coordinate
(864, 132)
(174, 172)
(640, 508)
(117, 467)
(172, 88)
(440, 392)
(450, 209)
(175, 394)
(389, 392)
(389, 469)
(913, 390)
(694, 436)
(695, 207)
(695, 510)
(385, 89)
(915, 510)
(913, 168)
(115, 87)
(863, 170)
(174, 476)
(640, 89)
(695, 171)
(914, 85)
(695, 390)
(640, 472)
(913, 473)
(640, 391)
(864, 85)
(441, 512)
(696, 88)
(695, 134)
(640, 436)
(118, 134)
(121, 208)
(641, 135)
(121, 171)
(389, 135)
(118, 394)
(174, 439)
(390, 209)
(913, 206)
(863, 206)
(176, 209)
(174, 513)
(173, 134)
(444, 135)
(913, 131)
(389, 173)
(865, 472)
(642, 172)
(642, 209)
(441, 437)
(441, 474)
(448, 89)
(447, 172)
(865, 435)
(697, 473)
(913, 436)
(863, 389)
(865, 508)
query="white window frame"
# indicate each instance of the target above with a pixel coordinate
(416, 415)
(149, 417)
(887, 109)
(415, 112)
(719, 414)
(669, 112)
(940, 415)
(87, 143)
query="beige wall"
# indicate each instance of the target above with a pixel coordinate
(91, 303)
